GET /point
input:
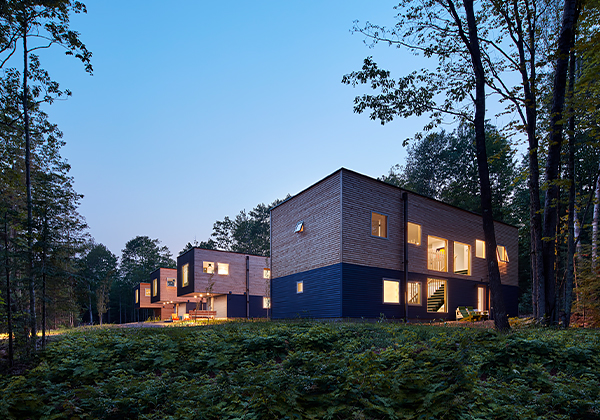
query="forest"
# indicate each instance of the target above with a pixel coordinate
(540, 171)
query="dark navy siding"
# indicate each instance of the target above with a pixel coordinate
(236, 306)
(363, 292)
(322, 297)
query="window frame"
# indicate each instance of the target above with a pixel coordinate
(446, 254)
(445, 305)
(419, 234)
(397, 284)
(386, 225)
(420, 293)
(154, 287)
(225, 269)
(185, 275)
(266, 273)
(299, 287)
(205, 267)
(174, 281)
(266, 302)
(477, 242)
(469, 271)
(500, 255)
(147, 291)
(137, 296)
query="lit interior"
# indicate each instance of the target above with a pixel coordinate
(185, 275)
(437, 255)
(414, 234)
(391, 291)
(379, 225)
(479, 248)
(462, 258)
(299, 287)
(502, 254)
(208, 267)
(266, 273)
(223, 269)
(414, 293)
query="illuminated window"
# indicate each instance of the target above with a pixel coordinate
(185, 281)
(436, 295)
(266, 273)
(147, 290)
(299, 287)
(391, 291)
(266, 303)
(501, 253)
(223, 269)
(299, 227)
(479, 248)
(208, 267)
(137, 296)
(462, 258)
(171, 283)
(414, 293)
(379, 225)
(437, 254)
(414, 234)
(154, 287)
(481, 299)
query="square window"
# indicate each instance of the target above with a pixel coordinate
(479, 248)
(299, 287)
(171, 282)
(185, 281)
(154, 287)
(414, 293)
(266, 273)
(223, 269)
(391, 291)
(414, 233)
(437, 254)
(436, 295)
(137, 296)
(462, 258)
(266, 303)
(208, 267)
(501, 253)
(147, 291)
(379, 225)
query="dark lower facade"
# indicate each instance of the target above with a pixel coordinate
(354, 291)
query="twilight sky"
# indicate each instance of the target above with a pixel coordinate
(197, 109)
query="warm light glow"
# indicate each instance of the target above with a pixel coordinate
(208, 267)
(154, 287)
(437, 255)
(501, 253)
(223, 269)
(391, 291)
(414, 293)
(462, 258)
(266, 273)
(299, 287)
(379, 225)
(184, 275)
(414, 233)
(479, 248)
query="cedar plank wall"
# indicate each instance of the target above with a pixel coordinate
(165, 293)
(145, 300)
(319, 245)
(362, 194)
(235, 281)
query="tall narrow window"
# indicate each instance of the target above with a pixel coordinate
(154, 287)
(414, 233)
(391, 291)
(437, 254)
(481, 299)
(479, 248)
(147, 291)
(208, 267)
(266, 303)
(223, 269)
(185, 281)
(414, 293)
(502, 254)
(266, 273)
(379, 225)
(436, 295)
(137, 296)
(299, 287)
(462, 258)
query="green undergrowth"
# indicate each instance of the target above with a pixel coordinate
(310, 370)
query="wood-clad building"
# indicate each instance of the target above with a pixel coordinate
(338, 250)
(142, 301)
(220, 281)
(163, 291)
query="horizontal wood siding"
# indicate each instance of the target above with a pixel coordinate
(236, 306)
(363, 292)
(234, 282)
(145, 301)
(319, 244)
(322, 296)
(362, 196)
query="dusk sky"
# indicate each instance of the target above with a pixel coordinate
(197, 110)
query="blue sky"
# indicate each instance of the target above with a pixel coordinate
(197, 110)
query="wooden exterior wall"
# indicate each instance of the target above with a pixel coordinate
(144, 301)
(165, 293)
(319, 245)
(234, 282)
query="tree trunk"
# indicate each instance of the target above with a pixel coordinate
(8, 293)
(595, 225)
(90, 303)
(30, 273)
(500, 320)
(565, 42)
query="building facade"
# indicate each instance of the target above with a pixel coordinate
(338, 250)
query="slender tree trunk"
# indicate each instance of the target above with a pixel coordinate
(565, 42)
(8, 293)
(472, 43)
(44, 256)
(90, 303)
(595, 225)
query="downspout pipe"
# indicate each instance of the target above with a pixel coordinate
(247, 287)
(405, 199)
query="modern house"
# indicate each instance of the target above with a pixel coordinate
(232, 284)
(163, 291)
(353, 246)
